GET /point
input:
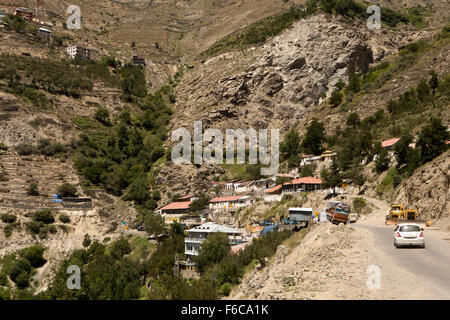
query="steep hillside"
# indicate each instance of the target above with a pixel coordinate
(428, 191)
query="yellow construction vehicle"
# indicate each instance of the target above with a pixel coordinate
(411, 215)
(395, 214)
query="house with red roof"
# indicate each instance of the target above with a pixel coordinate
(305, 184)
(389, 143)
(231, 203)
(174, 211)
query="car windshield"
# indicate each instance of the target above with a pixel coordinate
(409, 228)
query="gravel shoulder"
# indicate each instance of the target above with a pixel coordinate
(331, 262)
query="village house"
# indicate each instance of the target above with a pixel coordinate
(242, 187)
(262, 184)
(45, 33)
(174, 211)
(138, 60)
(273, 194)
(327, 155)
(309, 159)
(24, 13)
(198, 235)
(231, 203)
(304, 184)
(2, 15)
(188, 198)
(389, 143)
(79, 52)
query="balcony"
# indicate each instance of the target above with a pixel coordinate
(194, 240)
(191, 252)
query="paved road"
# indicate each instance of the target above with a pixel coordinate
(432, 263)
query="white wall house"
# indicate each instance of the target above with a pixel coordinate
(231, 203)
(198, 235)
(78, 52)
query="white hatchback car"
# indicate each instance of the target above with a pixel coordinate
(408, 234)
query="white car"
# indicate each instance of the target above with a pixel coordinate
(408, 234)
(353, 217)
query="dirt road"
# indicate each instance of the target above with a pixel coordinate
(430, 265)
(335, 262)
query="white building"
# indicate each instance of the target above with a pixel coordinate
(45, 32)
(231, 203)
(198, 235)
(79, 52)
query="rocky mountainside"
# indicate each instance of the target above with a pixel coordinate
(277, 84)
(428, 191)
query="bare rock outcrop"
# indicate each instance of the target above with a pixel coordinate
(427, 190)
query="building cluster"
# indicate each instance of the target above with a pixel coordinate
(234, 195)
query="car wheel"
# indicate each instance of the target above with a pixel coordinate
(396, 245)
(423, 246)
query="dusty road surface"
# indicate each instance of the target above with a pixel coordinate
(336, 262)
(432, 264)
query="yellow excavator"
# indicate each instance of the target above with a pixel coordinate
(395, 214)
(411, 215)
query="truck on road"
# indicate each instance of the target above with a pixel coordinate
(337, 212)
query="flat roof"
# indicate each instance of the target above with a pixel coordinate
(210, 227)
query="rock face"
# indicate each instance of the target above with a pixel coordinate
(278, 84)
(289, 74)
(427, 190)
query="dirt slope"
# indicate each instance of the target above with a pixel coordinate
(427, 190)
(331, 262)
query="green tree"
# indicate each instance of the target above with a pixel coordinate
(433, 140)
(434, 81)
(213, 250)
(102, 116)
(45, 216)
(139, 190)
(35, 255)
(314, 138)
(353, 81)
(290, 147)
(353, 120)
(154, 223)
(402, 150)
(200, 204)
(67, 190)
(383, 160)
(332, 177)
(86, 241)
(423, 90)
(335, 98)
(33, 189)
